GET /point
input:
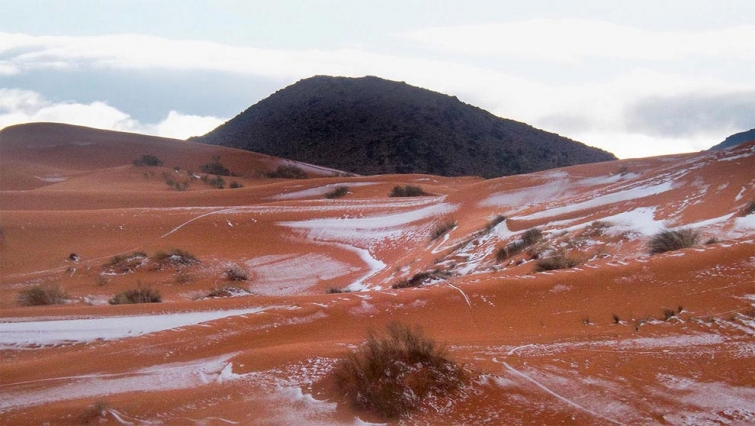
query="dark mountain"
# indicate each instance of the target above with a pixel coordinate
(373, 126)
(735, 139)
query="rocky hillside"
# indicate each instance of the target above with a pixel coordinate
(735, 139)
(374, 126)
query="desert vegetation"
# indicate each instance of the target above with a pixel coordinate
(235, 184)
(337, 192)
(494, 222)
(215, 167)
(407, 191)
(288, 172)
(673, 239)
(527, 239)
(442, 228)
(337, 290)
(215, 181)
(236, 273)
(138, 295)
(421, 278)
(175, 257)
(125, 263)
(748, 209)
(41, 295)
(392, 373)
(555, 262)
(227, 291)
(148, 160)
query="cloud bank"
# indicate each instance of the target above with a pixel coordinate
(632, 91)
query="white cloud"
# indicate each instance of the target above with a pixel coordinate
(595, 110)
(24, 106)
(572, 40)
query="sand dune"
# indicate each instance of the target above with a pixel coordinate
(623, 337)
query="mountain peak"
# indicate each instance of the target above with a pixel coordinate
(370, 125)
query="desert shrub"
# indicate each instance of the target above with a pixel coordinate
(407, 191)
(42, 295)
(748, 209)
(337, 192)
(183, 276)
(494, 222)
(532, 236)
(138, 295)
(288, 172)
(94, 413)
(442, 228)
(391, 374)
(673, 239)
(337, 290)
(557, 261)
(528, 238)
(176, 185)
(420, 278)
(175, 257)
(215, 167)
(710, 241)
(236, 273)
(148, 160)
(227, 291)
(216, 181)
(125, 263)
(235, 184)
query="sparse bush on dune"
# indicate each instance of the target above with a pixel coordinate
(421, 278)
(125, 263)
(235, 184)
(236, 273)
(138, 295)
(673, 239)
(391, 374)
(494, 222)
(407, 191)
(227, 291)
(555, 262)
(175, 257)
(94, 413)
(216, 181)
(42, 295)
(528, 238)
(337, 290)
(748, 209)
(215, 167)
(442, 229)
(337, 192)
(288, 172)
(148, 160)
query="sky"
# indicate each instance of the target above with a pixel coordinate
(637, 78)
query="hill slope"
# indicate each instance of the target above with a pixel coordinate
(373, 126)
(735, 139)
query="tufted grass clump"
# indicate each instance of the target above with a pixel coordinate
(138, 295)
(337, 192)
(673, 239)
(407, 191)
(392, 373)
(42, 295)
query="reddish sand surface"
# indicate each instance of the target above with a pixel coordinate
(624, 337)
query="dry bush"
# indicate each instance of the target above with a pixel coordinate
(94, 413)
(227, 291)
(148, 160)
(138, 295)
(407, 191)
(748, 209)
(337, 192)
(125, 263)
(337, 290)
(494, 222)
(288, 172)
(391, 374)
(528, 238)
(41, 295)
(442, 229)
(532, 236)
(175, 257)
(557, 261)
(236, 273)
(670, 240)
(420, 278)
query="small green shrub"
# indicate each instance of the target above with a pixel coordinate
(42, 295)
(407, 191)
(216, 181)
(337, 192)
(138, 295)
(288, 172)
(442, 229)
(670, 240)
(557, 261)
(391, 374)
(148, 160)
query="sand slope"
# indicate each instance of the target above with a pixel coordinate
(622, 338)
